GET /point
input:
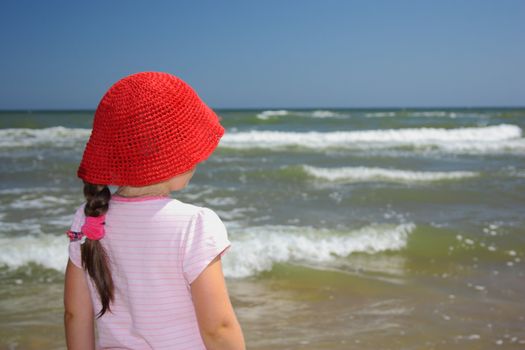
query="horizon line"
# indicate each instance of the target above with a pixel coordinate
(279, 108)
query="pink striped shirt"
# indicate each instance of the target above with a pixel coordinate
(157, 246)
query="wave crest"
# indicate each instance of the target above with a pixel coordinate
(57, 136)
(265, 115)
(263, 246)
(363, 174)
(489, 139)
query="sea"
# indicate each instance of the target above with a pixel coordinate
(350, 228)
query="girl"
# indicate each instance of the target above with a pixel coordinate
(147, 267)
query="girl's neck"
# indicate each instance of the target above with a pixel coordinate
(146, 191)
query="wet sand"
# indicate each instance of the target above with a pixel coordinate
(296, 307)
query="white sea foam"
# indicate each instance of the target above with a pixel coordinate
(47, 250)
(475, 140)
(220, 201)
(364, 174)
(412, 114)
(324, 114)
(319, 113)
(23, 228)
(38, 202)
(260, 247)
(58, 136)
(264, 115)
(254, 249)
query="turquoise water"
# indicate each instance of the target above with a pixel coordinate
(364, 228)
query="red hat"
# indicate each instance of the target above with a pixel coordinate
(148, 127)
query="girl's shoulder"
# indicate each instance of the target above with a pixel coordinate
(199, 213)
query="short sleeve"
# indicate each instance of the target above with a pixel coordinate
(74, 247)
(206, 239)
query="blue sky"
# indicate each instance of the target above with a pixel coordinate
(268, 54)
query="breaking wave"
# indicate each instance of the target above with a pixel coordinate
(364, 174)
(489, 139)
(265, 115)
(261, 247)
(58, 136)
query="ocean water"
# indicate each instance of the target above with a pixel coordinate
(351, 229)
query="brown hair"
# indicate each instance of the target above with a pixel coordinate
(94, 258)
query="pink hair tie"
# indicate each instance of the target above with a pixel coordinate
(93, 227)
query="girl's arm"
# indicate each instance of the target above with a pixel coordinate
(78, 315)
(217, 321)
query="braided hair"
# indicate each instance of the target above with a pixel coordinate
(94, 257)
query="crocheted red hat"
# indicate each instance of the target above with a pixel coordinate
(148, 127)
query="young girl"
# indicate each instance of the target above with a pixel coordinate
(147, 267)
